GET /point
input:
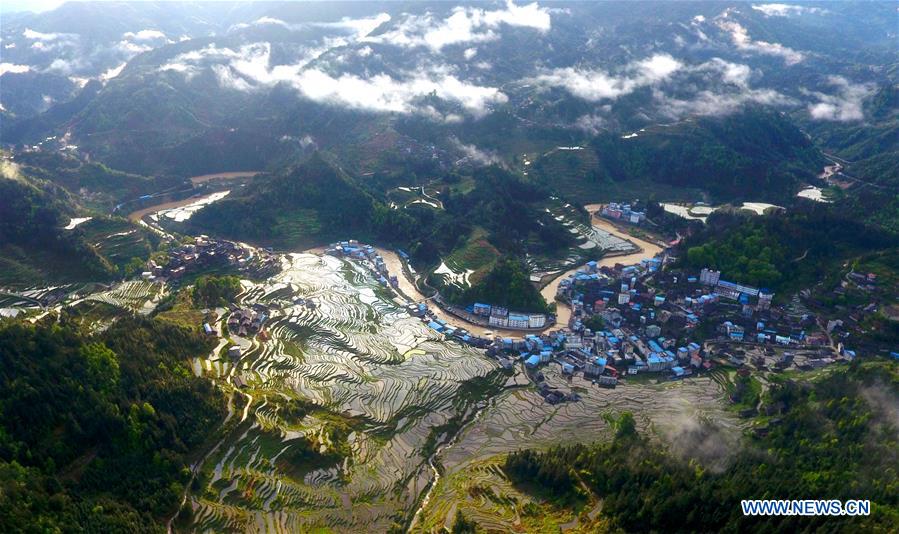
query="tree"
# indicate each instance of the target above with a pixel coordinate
(102, 366)
(462, 525)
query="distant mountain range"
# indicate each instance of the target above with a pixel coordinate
(193, 88)
(343, 104)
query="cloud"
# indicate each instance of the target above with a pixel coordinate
(13, 68)
(356, 27)
(692, 437)
(710, 103)
(470, 53)
(32, 35)
(476, 155)
(732, 96)
(732, 73)
(592, 124)
(785, 10)
(464, 25)
(65, 66)
(844, 106)
(112, 73)
(741, 39)
(144, 35)
(249, 69)
(132, 49)
(594, 85)
(47, 42)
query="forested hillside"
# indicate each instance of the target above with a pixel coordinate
(33, 244)
(755, 154)
(96, 432)
(783, 251)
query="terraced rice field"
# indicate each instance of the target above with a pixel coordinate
(379, 381)
(374, 393)
(135, 295)
(521, 419)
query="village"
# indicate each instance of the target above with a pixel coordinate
(638, 319)
(205, 253)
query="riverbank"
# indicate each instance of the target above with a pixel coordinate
(645, 250)
(407, 287)
(137, 216)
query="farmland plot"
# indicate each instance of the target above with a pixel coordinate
(374, 383)
(521, 419)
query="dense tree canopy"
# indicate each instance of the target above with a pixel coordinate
(95, 432)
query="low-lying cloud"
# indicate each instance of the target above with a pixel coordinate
(595, 84)
(741, 39)
(785, 10)
(13, 68)
(249, 69)
(473, 154)
(464, 25)
(846, 105)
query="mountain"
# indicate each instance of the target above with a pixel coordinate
(201, 92)
(870, 149)
(753, 154)
(312, 203)
(40, 245)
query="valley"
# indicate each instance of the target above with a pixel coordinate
(448, 267)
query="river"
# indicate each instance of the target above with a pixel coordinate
(647, 250)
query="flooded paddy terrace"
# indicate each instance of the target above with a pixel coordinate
(379, 380)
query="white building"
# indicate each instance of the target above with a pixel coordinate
(536, 320)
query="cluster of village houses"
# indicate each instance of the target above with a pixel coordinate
(649, 319)
(500, 317)
(207, 252)
(353, 249)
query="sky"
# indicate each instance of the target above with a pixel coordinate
(11, 6)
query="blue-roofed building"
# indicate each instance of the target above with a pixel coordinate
(436, 326)
(567, 369)
(533, 361)
(481, 309)
(655, 347)
(678, 371)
